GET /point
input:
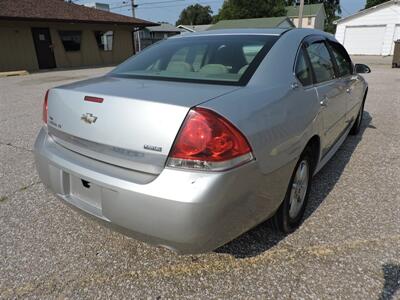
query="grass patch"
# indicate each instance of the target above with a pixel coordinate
(3, 198)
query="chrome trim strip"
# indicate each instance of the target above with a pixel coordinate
(209, 166)
(126, 158)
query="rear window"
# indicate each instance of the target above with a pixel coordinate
(222, 59)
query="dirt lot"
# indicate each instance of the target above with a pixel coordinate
(348, 246)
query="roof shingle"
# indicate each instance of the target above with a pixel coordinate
(309, 10)
(61, 11)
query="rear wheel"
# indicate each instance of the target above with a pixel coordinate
(357, 124)
(290, 213)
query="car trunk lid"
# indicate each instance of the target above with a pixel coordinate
(129, 123)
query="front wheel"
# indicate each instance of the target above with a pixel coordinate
(290, 213)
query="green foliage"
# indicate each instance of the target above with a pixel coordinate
(332, 9)
(245, 9)
(195, 15)
(371, 3)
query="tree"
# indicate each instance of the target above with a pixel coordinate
(371, 3)
(332, 9)
(195, 15)
(245, 9)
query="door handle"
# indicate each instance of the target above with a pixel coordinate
(294, 85)
(324, 102)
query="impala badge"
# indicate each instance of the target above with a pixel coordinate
(89, 118)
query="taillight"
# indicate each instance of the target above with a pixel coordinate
(45, 107)
(210, 142)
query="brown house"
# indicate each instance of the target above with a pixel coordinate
(46, 34)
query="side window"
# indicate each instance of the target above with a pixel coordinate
(343, 60)
(303, 71)
(321, 62)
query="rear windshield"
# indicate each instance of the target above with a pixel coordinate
(221, 59)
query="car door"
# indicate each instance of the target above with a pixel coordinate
(331, 92)
(348, 78)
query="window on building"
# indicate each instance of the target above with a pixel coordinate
(104, 40)
(321, 62)
(71, 40)
(309, 22)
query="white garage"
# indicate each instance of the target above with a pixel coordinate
(371, 31)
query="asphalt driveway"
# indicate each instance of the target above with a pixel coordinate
(348, 246)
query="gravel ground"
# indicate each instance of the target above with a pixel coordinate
(348, 247)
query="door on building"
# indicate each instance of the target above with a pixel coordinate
(44, 48)
(365, 40)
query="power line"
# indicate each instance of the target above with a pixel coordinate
(159, 2)
(124, 3)
(166, 6)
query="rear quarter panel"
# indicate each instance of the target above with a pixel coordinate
(277, 120)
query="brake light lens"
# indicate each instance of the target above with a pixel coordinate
(93, 99)
(45, 107)
(210, 142)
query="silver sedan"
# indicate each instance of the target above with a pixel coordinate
(203, 136)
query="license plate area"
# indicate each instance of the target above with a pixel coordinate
(85, 191)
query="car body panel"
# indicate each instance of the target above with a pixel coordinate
(186, 211)
(333, 96)
(135, 124)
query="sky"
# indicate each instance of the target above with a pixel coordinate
(169, 10)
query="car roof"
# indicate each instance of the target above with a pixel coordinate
(238, 31)
(257, 31)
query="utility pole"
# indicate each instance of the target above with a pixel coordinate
(301, 9)
(136, 35)
(133, 7)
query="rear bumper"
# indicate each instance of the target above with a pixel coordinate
(189, 212)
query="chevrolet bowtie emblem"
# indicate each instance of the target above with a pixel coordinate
(89, 118)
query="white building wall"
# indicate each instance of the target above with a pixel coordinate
(388, 16)
(308, 22)
(316, 22)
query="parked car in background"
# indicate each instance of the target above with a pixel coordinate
(203, 136)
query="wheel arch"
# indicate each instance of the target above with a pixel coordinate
(314, 143)
(366, 93)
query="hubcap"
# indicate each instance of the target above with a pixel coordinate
(299, 189)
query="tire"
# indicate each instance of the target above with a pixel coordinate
(357, 124)
(290, 214)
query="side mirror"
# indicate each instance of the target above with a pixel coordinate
(362, 69)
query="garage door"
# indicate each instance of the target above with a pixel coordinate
(364, 40)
